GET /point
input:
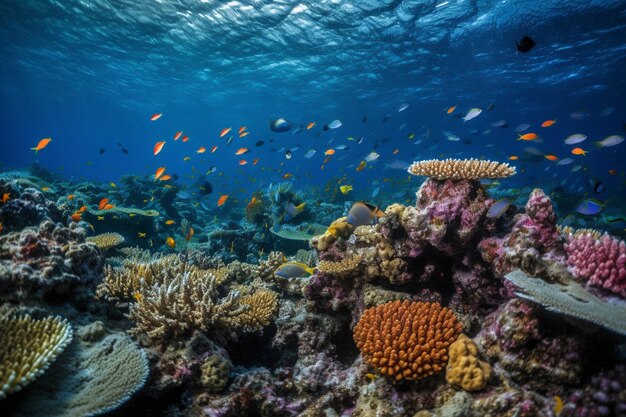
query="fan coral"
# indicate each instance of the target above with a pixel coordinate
(600, 261)
(461, 169)
(464, 368)
(28, 347)
(106, 241)
(407, 340)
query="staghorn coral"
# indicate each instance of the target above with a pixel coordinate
(343, 268)
(28, 347)
(600, 261)
(135, 253)
(106, 241)
(461, 169)
(90, 379)
(405, 339)
(464, 369)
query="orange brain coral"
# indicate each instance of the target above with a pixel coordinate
(407, 339)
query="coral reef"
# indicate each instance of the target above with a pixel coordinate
(461, 169)
(464, 369)
(407, 340)
(28, 347)
(106, 241)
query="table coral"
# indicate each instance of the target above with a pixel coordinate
(461, 169)
(106, 241)
(28, 347)
(599, 261)
(407, 340)
(464, 368)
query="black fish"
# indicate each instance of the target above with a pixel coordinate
(174, 177)
(598, 187)
(365, 119)
(525, 45)
(326, 127)
(206, 188)
(385, 118)
(491, 106)
(119, 144)
(616, 219)
(125, 151)
(101, 151)
(259, 143)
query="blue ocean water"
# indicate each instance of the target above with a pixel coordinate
(90, 74)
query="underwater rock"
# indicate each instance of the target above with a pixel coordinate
(25, 208)
(50, 260)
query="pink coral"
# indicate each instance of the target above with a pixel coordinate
(602, 262)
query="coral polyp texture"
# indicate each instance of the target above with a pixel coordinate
(27, 348)
(461, 169)
(601, 261)
(106, 241)
(464, 369)
(407, 340)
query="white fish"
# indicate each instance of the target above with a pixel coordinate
(335, 124)
(451, 136)
(310, 153)
(397, 164)
(578, 115)
(499, 123)
(575, 138)
(521, 127)
(607, 111)
(375, 192)
(372, 156)
(403, 107)
(340, 147)
(576, 168)
(565, 161)
(402, 126)
(359, 141)
(473, 112)
(610, 141)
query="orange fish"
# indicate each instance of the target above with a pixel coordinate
(451, 109)
(202, 149)
(185, 138)
(5, 197)
(395, 151)
(361, 166)
(513, 158)
(82, 209)
(243, 162)
(329, 152)
(170, 242)
(287, 176)
(213, 149)
(159, 172)
(310, 126)
(256, 161)
(70, 197)
(244, 134)
(108, 206)
(190, 234)
(225, 131)
(528, 136)
(76, 217)
(170, 222)
(548, 123)
(177, 135)
(241, 151)
(579, 151)
(165, 178)
(158, 147)
(156, 116)
(42, 144)
(613, 171)
(242, 129)
(103, 203)
(222, 200)
(551, 157)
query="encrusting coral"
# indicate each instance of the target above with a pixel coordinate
(464, 368)
(28, 347)
(461, 169)
(407, 340)
(106, 241)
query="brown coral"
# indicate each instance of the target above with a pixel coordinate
(461, 169)
(464, 368)
(405, 339)
(343, 268)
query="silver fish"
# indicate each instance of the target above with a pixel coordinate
(575, 138)
(472, 113)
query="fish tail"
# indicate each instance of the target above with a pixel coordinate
(34, 149)
(598, 144)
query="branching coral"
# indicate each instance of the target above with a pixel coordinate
(461, 169)
(28, 347)
(405, 339)
(106, 241)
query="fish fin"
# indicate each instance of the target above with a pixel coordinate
(598, 144)
(310, 270)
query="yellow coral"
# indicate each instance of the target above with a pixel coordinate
(106, 241)
(263, 307)
(342, 268)
(461, 169)
(464, 368)
(28, 347)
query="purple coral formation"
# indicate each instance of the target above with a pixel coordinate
(604, 396)
(51, 259)
(601, 262)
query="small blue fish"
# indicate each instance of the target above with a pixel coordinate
(498, 208)
(590, 207)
